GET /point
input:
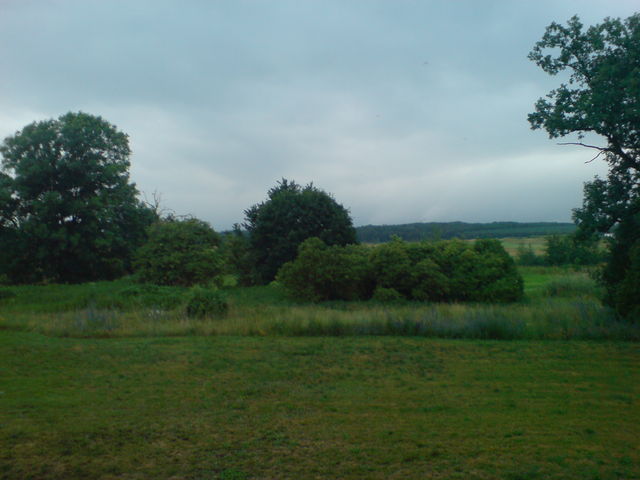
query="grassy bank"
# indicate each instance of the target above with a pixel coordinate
(250, 407)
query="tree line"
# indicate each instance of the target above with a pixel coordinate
(416, 232)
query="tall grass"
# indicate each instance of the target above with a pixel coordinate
(561, 305)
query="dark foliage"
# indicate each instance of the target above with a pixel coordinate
(205, 302)
(67, 210)
(441, 271)
(237, 256)
(573, 250)
(291, 214)
(180, 252)
(322, 272)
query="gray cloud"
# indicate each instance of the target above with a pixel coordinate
(404, 110)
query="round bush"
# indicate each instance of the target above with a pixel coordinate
(204, 302)
(180, 253)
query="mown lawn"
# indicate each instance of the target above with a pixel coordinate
(230, 407)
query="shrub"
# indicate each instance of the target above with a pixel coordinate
(392, 267)
(321, 273)
(205, 302)
(180, 252)
(497, 276)
(442, 271)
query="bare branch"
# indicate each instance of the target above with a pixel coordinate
(602, 149)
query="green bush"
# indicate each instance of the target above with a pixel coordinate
(442, 271)
(321, 273)
(392, 267)
(180, 252)
(205, 302)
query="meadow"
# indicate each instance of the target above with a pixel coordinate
(112, 380)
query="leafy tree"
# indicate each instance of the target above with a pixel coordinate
(572, 250)
(180, 252)
(237, 257)
(291, 214)
(602, 96)
(67, 209)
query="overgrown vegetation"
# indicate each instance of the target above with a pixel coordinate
(451, 271)
(180, 252)
(205, 302)
(559, 304)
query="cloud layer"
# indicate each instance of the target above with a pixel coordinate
(404, 110)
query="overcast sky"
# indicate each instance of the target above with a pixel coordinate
(406, 111)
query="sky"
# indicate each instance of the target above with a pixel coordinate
(404, 110)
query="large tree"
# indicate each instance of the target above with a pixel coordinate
(67, 209)
(601, 96)
(289, 216)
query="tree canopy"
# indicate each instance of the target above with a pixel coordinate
(289, 216)
(601, 96)
(68, 211)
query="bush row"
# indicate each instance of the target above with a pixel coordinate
(444, 271)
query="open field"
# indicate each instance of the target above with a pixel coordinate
(111, 380)
(512, 245)
(252, 407)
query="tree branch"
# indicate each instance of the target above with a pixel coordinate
(601, 149)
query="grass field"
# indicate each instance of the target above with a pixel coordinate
(250, 407)
(512, 245)
(300, 391)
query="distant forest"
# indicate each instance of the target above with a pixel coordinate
(435, 230)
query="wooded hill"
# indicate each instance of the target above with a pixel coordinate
(447, 230)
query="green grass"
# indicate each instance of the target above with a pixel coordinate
(378, 408)
(112, 380)
(537, 244)
(560, 304)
